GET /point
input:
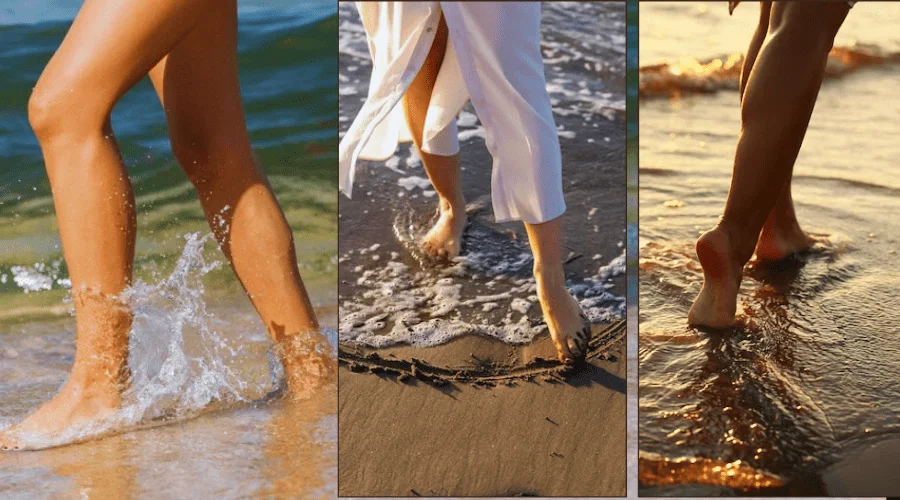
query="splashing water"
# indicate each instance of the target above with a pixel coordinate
(184, 360)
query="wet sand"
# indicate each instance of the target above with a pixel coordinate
(804, 388)
(525, 437)
(864, 471)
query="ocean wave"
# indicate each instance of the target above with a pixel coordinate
(704, 76)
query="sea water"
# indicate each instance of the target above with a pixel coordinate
(200, 357)
(810, 374)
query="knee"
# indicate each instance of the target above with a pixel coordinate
(55, 109)
(191, 154)
(196, 161)
(205, 160)
(44, 112)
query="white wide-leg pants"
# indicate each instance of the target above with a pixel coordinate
(493, 58)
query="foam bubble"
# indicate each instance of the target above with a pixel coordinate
(397, 303)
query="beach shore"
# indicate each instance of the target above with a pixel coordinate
(538, 435)
(471, 415)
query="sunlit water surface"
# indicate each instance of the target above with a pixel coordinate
(811, 374)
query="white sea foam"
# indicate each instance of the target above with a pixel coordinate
(399, 304)
(413, 181)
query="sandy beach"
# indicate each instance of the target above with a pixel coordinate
(541, 434)
(446, 396)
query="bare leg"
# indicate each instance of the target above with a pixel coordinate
(109, 47)
(197, 82)
(445, 238)
(781, 235)
(568, 326)
(759, 36)
(778, 101)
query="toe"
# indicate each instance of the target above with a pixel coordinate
(574, 347)
(6, 444)
(582, 338)
(563, 352)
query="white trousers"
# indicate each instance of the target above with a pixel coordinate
(493, 58)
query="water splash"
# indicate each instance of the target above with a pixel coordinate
(184, 360)
(38, 277)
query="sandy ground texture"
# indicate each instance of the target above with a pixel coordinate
(455, 433)
(409, 431)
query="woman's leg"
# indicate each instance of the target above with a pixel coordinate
(509, 94)
(778, 101)
(781, 235)
(445, 237)
(561, 312)
(197, 83)
(756, 42)
(110, 46)
(567, 324)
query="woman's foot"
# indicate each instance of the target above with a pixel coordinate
(779, 240)
(569, 328)
(99, 374)
(444, 240)
(716, 305)
(79, 402)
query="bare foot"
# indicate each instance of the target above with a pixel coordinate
(78, 403)
(779, 241)
(308, 364)
(569, 328)
(99, 374)
(444, 240)
(716, 304)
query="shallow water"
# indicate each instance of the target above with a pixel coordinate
(203, 400)
(204, 385)
(390, 294)
(810, 375)
(280, 449)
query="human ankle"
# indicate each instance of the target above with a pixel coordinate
(98, 375)
(739, 244)
(453, 207)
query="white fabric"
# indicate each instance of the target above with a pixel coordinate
(493, 58)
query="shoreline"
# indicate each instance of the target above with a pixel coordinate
(520, 436)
